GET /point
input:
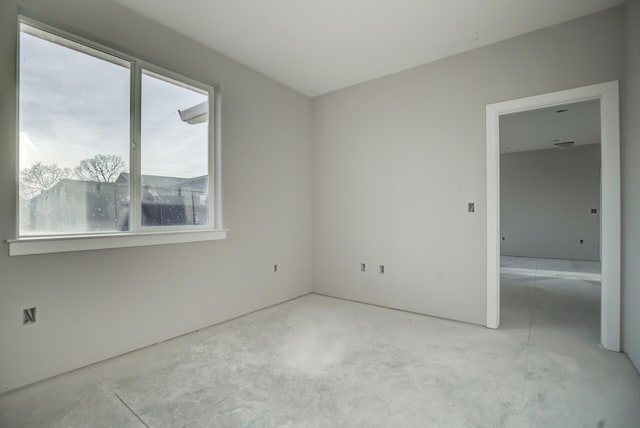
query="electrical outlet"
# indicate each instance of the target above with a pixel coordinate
(594, 211)
(471, 207)
(363, 267)
(29, 315)
(582, 241)
(381, 269)
(275, 268)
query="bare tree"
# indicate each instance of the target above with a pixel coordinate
(102, 168)
(39, 177)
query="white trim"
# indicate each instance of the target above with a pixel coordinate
(608, 95)
(17, 128)
(610, 226)
(493, 213)
(61, 244)
(216, 154)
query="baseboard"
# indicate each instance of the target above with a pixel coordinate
(552, 273)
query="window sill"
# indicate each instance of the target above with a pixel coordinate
(61, 244)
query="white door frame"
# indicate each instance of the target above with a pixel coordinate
(607, 93)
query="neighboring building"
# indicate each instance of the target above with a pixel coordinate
(90, 206)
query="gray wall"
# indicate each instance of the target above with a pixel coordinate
(397, 159)
(546, 197)
(395, 162)
(96, 304)
(631, 183)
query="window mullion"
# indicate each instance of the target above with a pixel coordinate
(135, 176)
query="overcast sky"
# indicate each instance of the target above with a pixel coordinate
(74, 106)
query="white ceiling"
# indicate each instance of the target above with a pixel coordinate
(542, 128)
(318, 46)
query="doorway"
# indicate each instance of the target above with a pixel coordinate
(607, 96)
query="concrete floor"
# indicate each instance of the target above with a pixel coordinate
(323, 362)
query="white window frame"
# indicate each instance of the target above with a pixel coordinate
(137, 235)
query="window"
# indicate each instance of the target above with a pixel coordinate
(109, 144)
(74, 137)
(174, 153)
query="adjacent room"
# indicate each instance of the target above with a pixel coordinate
(549, 220)
(340, 213)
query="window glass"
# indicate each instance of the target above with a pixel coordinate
(74, 137)
(80, 120)
(174, 152)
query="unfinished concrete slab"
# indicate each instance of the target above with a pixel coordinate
(318, 361)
